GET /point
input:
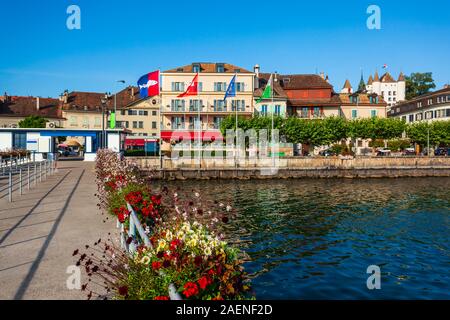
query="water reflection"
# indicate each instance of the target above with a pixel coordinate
(314, 239)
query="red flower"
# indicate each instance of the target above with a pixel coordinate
(203, 282)
(121, 217)
(156, 265)
(123, 291)
(156, 199)
(211, 272)
(174, 244)
(190, 289)
(161, 298)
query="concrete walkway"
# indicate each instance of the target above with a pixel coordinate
(40, 230)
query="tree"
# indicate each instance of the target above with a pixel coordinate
(32, 122)
(418, 84)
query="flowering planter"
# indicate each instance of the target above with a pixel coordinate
(133, 237)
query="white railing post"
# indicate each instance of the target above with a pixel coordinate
(35, 174)
(28, 177)
(40, 171)
(10, 186)
(20, 181)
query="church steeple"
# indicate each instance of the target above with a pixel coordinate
(362, 84)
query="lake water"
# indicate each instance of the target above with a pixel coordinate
(314, 239)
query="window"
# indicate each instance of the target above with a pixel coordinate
(394, 93)
(19, 140)
(264, 109)
(178, 86)
(153, 124)
(97, 121)
(389, 93)
(411, 118)
(220, 68)
(277, 109)
(138, 124)
(154, 113)
(239, 86)
(316, 111)
(239, 104)
(354, 114)
(177, 123)
(143, 113)
(220, 86)
(85, 121)
(196, 67)
(217, 122)
(419, 104)
(430, 101)
(200, 86)
(132, 112)
(194, 122)
(419, 116)
(304, 112)
(177, 105)
(220, 105)
(373, 113)
(195, 105)
(122, 112)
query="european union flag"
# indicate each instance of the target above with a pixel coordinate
(231, 90)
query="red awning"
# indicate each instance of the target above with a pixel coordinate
(135, 142)
(190, 135)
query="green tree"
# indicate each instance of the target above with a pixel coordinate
(438, 133)
(33, 122)
(418, 84)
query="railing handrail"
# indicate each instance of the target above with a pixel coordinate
(135, 225)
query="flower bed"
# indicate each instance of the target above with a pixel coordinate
(186, 249)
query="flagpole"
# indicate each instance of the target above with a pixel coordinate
(160, 120)
(273, 111)
(199, 130)
(235, 110)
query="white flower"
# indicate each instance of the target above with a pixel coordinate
(208, 251)
(228, 208)
(197, 194)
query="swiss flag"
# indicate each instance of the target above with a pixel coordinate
(149, 84)
(192, 89)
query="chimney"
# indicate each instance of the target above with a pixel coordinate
(37, 103)
(446, 86)
(4, 98)
(132, 92)
(327, 79)
(256, 71)
(322, 75)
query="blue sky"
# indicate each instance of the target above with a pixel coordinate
(125, 39)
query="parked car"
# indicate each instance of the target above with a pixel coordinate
(409, 152)
(327, 153)
(383, 152)
(442, 152)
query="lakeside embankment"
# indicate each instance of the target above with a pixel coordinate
(296, 167)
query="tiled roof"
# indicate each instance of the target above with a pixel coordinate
(277, 89)
(16, 106)
(387, 78)
(370, 81)
(303, 81)
(401, 77)
(363, 99)
(347, 85)
(208, 67)
(376, 78)
(92, 101)
(333, 101)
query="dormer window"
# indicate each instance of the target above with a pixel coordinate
(196, 68)
(179, 69)
(220, 68)
(237, 70)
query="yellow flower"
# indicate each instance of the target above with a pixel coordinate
(145, 260)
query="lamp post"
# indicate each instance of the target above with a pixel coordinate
(115, 104)
(104, 102)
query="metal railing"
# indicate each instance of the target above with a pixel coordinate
(137, 235)
(22, 173)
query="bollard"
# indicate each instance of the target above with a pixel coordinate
(20, 181)
(28, 177)
(10, 187)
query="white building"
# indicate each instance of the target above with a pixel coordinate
(392, 91)
(428, 107)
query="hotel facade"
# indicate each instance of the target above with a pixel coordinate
(203, 113)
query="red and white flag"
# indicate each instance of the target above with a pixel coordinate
(192, 89)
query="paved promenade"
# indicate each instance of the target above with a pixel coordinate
(40, 230)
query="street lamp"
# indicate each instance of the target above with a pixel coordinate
(104, 102)
(115, 103)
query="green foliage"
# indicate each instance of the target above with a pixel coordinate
(437, 131)
(398, 144)
(418, 84)
(33, 122)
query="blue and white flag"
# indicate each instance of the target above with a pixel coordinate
(231, 90)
